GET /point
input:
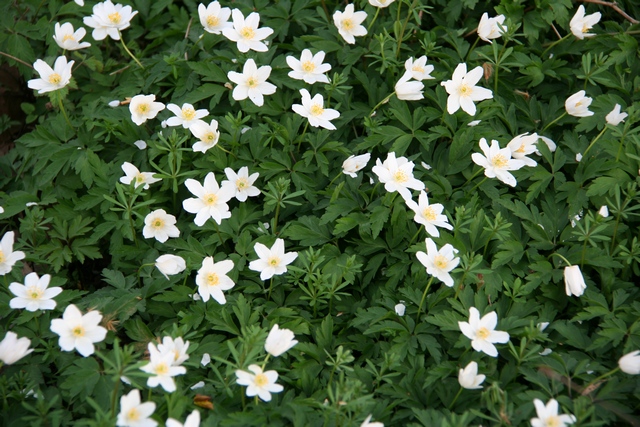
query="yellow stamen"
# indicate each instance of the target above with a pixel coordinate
(55, 78)
(133, 414)
(78, 331)
(316, 110)
(162, 369)
(2, 257)
(210, 199)
(347, 24)
(114, 18)
(247, 33)
(499, 161)
(308, 66)
(212, 279)
(440, 261)
(68, 37)
(188, 113)
(400, 176)
(483, 333)
(429, 214)
(143, 108)
(273, 261)
(261, 380)
(242, 183)
(464, 90)
(212, 20)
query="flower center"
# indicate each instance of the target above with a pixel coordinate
(261, 380)
(521, 149)
(429, 214)
(585, 28)
(316, 110)
(483, 333)
(417, 68)
(553, 421)
(68, 37)
(2, 257)
(464, 90)
(212, 20)
(499, 161)
(133, 414)
(55, 78)
(210, 199)
(242, 183)
(252, 82)
(157, 223)
(143, 108)
(140, 178)
(34, 292)
(400, 176)
(210, 138)
(188, 113)
(440, 261)
(273, 261)
(114, 17)
(162, 369)
(78, 331)
(212, 279)
(247, 33)
(308, 66)
(347, 24)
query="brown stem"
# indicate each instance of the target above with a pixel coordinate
(614, 6)
(16, 59)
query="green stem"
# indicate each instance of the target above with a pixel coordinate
(306, 126)
(601, 377)
(334, 179)
(553, 122)
(620, 148)
(385, 100)
(479, 184)
(478, 172)
(265, 361)
(415, 236)
(218, 231)
(129, 52)
(473, 46)
(275, 220)
(455, 399)
(404, 26)
(498, 61)
(64, 112)
(553, 44)
(374, 19)
(270, 289)
(424, 295)
(565, 260)
(604, 129)
(615, 232)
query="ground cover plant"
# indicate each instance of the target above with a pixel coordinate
(320, 213)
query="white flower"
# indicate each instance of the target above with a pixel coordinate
(309, 68)
(400, 309)
(550, 144)
(1, 210)
(133, 413)
(245, 32)
(574, 281)
(542, 326)
(578, 157)
(143, 108)
(178, 348)
(208, 135)
(463, 91)
(79, 2)
(313, 109)
(67, 39)
(615, 116)
(161, 366)
(252, 83)
(78, 331)
(51, 78)
(629, 363)
(242, 182)
(13, 348)
(115, 103)
(497, 162)
(7, 255)
(212, 279)
(418, 68)
(439, 262)
(482, 332)
(272, 261)
(206, 359)
(279, 341)
(367, 421)
(259, 383)
(604, 211)
(108, 19)
(548, 415)
(193, 420)
(397, 175)
(545, 352)
(139, 178)
(170, 264)
(210, 201)
(577, 105)
(354, 163)
(161, 225)
(214, 18)
(473, 123)
(185, 116)
(429, 215)
(489, 28)
(407, 89)
(580, 24)
(523, 145)
(469, 378)
(34, 294)
(140, 144)
(348, 23)
(380, 3)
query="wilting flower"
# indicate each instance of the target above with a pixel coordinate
(133, 413)
(51, 78)
(161, 225)
(245, 32)
(210, 201)
(193, 420)
(577, 105)
(497, 162)
(629, 363)
(140, 144)
(348, 23)
(482, 332)
(523, 145)
(69, 39)
(548, 415)
(574, 281)
(214, 18)
(78, 331)
(439, 262)
(313, 109)
(34, 294)
(258, 382)
(272, 261)
(469, 378)
(178, 348)
(208, 135)
(139, 178)
(397, 175)
(108, 19)
(400, 309)
(309, 68)
(170, 264)
(354, 163)
(418, 68)
(615, 116)
(212, 279)
(242, 182)
(367, 421)
(252, 83)
(162, 367)
(407, 89)
(380, 3)
(8, 257)
(429, 215)
(13, 348)
(489, 28)
(185, 116)
(143, 108)
(279, 341)
(581, 24)
(463, 91)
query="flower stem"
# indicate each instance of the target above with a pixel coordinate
(64, 112)
(334, 179)
(455, 399)
(601, 377)
(478, 172)
(553, 44)
(473, 46)
(565, 260)
(265, 359)
(404, 26)
(424, 295)
(479, 184)
(306, 126)
(380, 103)
(374, 19)
(270, 289)
(129, 52)
(604, 129)
(415, 236)
(553, 122)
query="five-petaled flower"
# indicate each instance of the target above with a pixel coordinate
(161, 225)
(139, 178)
(143, 108)
(497, 162)
(210, 201)
(108, 19)
(313, 109)
(242, 182)
(309, 68)
(429, 215)
(8, 257)
(397, 175)
(35, 294)
(252, 83)
(439, 262)
(259, 383)
(548, 415)
(208, 135)
(214, 18)
(78, 331)
(245, 32)
(212, 279)
(348, 23)
(186, 115)
(482, 332)
(580, 24)
(68, 39)
(418, 68)
(272, 261)
(51, 78)
(463, 91)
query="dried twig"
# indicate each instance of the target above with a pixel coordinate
(16, 59)
(186, 36)
(614, 6)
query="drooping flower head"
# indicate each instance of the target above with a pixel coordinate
(577, 105)
(51, 78)
(463, 91)
(407, 89)
(489, 28)
(170, 264)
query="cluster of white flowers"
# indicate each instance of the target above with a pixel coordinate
(165, 362)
